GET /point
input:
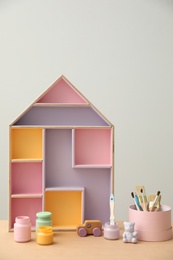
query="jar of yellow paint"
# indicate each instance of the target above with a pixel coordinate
(44, 236)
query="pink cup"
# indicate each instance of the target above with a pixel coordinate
(152, 226)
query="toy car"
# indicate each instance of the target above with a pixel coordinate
(90, 227)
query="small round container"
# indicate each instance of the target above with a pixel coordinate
(43, 219)
(111, 231)
(22, 229)
(44, 235)
(152, 226)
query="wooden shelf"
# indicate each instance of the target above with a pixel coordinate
(58, 146)
(26, 160)
(70, 188)
(92, 166)
(65, 227)
(60, 105)
(26, 195)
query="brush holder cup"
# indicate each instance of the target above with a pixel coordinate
(152, 226)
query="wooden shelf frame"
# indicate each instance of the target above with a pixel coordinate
(50, 127)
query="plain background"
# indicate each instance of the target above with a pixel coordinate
(119, 55)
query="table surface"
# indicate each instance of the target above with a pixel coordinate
(69, 246)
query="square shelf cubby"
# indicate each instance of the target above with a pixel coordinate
(26, 178)
(66, 205)
(26, 143)
(25, 206)
(92, 147)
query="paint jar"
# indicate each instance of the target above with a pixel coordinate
(22, 229)
(152, 226)
(43, 219)
(111, 231)
(44, 235)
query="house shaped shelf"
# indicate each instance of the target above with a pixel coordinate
(61, 159)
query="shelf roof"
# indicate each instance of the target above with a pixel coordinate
(54, 105)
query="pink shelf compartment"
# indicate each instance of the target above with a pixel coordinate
(26, 178)
(25, 207)
(92, 166)
(62, 92)
(92, 148)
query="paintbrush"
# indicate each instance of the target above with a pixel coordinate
(144, 202)
(153, 203)
(135, 201)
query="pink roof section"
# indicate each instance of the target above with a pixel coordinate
(65, 96)
(62, 92)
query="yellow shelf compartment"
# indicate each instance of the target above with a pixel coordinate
(66, 205)
(26, 143)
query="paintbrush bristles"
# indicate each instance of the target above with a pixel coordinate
(132, 195)
(146, 203)
(154, 203)
(134, 199)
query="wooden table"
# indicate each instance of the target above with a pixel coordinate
(69, 246)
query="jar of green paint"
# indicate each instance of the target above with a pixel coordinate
(43, 219)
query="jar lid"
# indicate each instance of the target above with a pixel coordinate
(44, 214)
(22, 219)
(45, 229)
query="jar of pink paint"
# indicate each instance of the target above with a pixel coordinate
(111, 231)
(22, 229)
